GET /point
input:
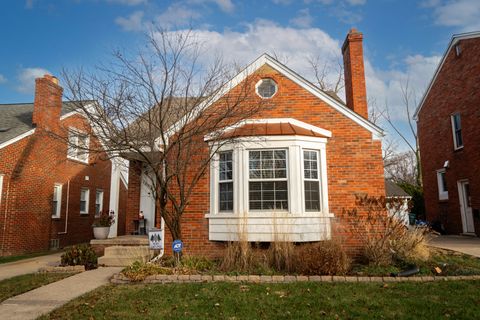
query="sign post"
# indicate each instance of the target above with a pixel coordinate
(177, 246)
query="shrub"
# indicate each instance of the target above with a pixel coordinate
(197, 264)
(325, 257)
(239, 256)
(385, 238)
(80, 255)
(138, 271)
(281, 255)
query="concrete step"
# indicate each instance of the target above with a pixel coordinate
(126, 251)
(120, 261)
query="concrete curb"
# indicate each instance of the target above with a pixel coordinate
(119, 278)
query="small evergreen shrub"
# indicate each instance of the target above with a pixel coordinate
(80, 255)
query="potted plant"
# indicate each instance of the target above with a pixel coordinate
(101, 225)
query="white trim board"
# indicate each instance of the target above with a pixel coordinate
(455, 39)
(301, 124)
(265, 59)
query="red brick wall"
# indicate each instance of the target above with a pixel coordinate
(31, 167)
(354, 163)
(456, 89)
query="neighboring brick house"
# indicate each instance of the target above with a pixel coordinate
(50, 191)
(305, 157)
(448, 120)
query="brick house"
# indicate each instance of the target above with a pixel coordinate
(50, 190)
(448, 132)
(304, 158)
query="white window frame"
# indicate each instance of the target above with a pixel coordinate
(58, 209)
(456, 145)
(87, 199)
(260, 82)
(442, 193)
(99, 203)
(74, 152)
(266, 179)
(296, 195)
(226, 181)
(319, 178)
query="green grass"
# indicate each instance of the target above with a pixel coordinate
(20, 284)
(25, 256)
(451, 264)
(434, 300)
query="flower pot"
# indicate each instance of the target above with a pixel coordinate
(101, 232)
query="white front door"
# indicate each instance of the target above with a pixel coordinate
(465, 206)
(147, 200)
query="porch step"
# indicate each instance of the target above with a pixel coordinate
(120, 256)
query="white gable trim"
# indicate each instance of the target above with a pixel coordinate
(455, 39)
(17, 138)
(293, 121)
(377, 133)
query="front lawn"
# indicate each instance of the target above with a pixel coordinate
(20, 284)
(432, 300)
(8, 259)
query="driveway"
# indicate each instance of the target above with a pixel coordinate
(464, 244)
(12, 269)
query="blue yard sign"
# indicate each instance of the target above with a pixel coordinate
(177, 246)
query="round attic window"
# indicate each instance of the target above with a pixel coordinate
(266, 88)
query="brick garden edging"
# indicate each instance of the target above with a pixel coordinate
(61, 269)
(162, 278)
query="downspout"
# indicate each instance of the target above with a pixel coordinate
(5, 217)
(66, 209)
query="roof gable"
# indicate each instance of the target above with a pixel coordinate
(455, 39)
(265, 59)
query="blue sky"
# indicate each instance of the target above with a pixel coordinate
(403, 39)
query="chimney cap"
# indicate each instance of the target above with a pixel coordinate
(51, 78)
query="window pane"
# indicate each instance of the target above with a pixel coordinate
(83, 206)
(267, 195)
(226, 166)
(312, 196)
(226, 196)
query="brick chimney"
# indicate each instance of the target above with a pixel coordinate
(47, 105)
(355, 89)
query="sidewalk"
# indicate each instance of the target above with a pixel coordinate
(464, 244)
(35, 303)
(31, 265)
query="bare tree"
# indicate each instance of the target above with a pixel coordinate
(327, 77)
(408, 97)
(151, 108)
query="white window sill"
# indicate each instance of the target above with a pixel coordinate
(285, 214)
(84, 213)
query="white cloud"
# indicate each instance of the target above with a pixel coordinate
(303, 19)
(26, 79)
(282, 2)
(177, 15)
(134, 22)
(2, 79)
(356, 2)
(128, 2)
(224, 5)
(463, 14)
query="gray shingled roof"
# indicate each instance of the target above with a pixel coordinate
(16, 119)
(393, 190)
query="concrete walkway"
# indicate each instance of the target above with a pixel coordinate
(35, 303)
(31, 265)
(465, 244)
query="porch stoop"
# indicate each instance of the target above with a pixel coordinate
(122, 256)
(121, 251)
